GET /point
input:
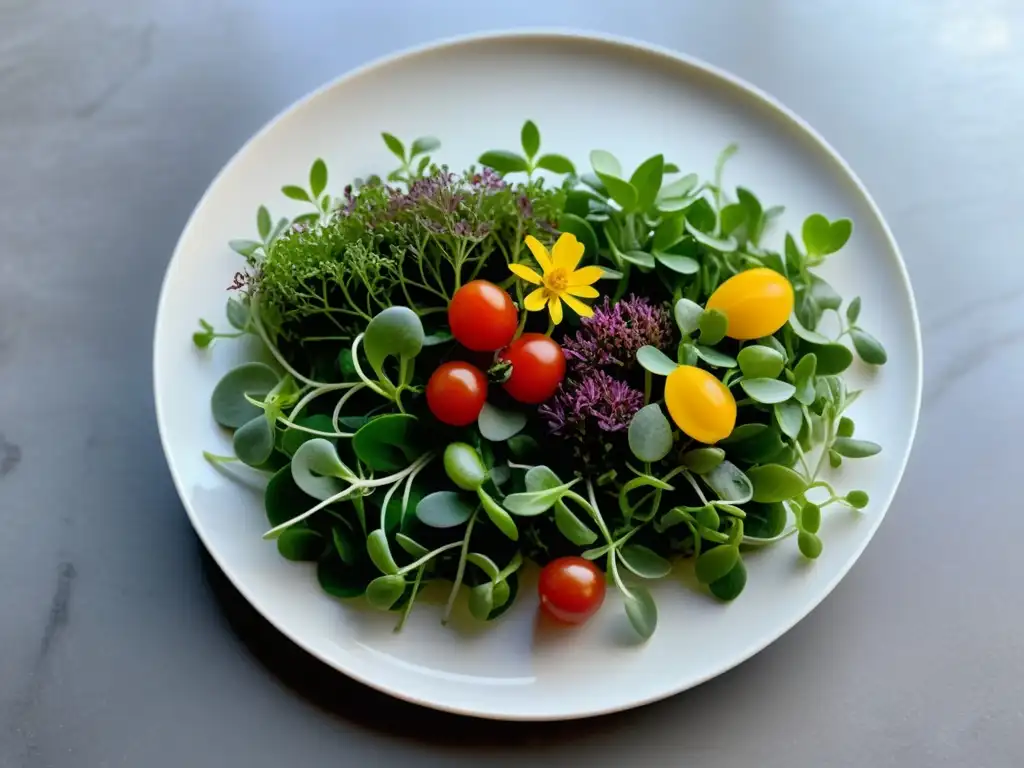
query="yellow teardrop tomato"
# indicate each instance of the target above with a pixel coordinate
(757, 302)
(700, 404)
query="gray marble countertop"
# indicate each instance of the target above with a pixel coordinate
(121, 645)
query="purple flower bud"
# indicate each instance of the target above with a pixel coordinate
(610, 339)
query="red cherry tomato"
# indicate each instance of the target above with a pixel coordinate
(456, 393)
(482, 316)
(571, 589)
(538, 367)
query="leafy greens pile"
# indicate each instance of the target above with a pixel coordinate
(351, 298)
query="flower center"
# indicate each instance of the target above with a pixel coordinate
(556, 280)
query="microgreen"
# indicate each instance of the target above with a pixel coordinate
(350, 298)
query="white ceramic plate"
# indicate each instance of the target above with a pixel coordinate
(584, 92)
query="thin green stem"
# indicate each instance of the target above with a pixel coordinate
(428, 557)
(254, 314)
(412, 599)
(460, 572)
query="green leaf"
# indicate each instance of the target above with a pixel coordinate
(680, 187)
(644, 562)
(541, 478)
(715, 563)
(379, 552)
(646, 180)
(683, 265)
(533, 503)
(668, 233)
(723, 158)
(852, 448)
(713, 326)
(650, 434)
(485, 564)
(296, 193)
(810, 545)
(570, 526)
(343, 545)
(530, 137)
(498, 425)
(283, 497)
(707, 517)
(853, 310)
(292, 439)
(810, 517)
(846, 427)
(583, 231)
(605, 163)
(387, 443)
(497, 515)
(238, 314)
(318, 471)
(723, 244)
(253, 442)
(768, 391)
(805, 333)
(755, 213)
(760, 362)
(773, 482)
(732, 217)
(641, 610)
(804, 374)
(424, 144)
(622, 192)
(395, 145)
(411, 547)
(754, 443)
(729, 483)
(713, 357)
(384, 591)
(523, 447)
(464, 466)
(340, 580)
(445, 509)
(822, 237)
(702, 460)
(700, 216)
(595, 184)
(556, 164)
(317, 177)
(655, 361)
(869, 349)
(481, 601)
(831, 358)
(228, 403)
(765, 521)
(422, 165)
(639, 258)
(857, 499)
(789, 417)
(824, 294)
(263, 223)
(504, 162)
(394, 332)
(730, 586)
(687, 314)
(300, 544)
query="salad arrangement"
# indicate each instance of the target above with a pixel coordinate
(602, 372)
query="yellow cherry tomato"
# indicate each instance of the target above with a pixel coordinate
(757, 302)
(700, 404)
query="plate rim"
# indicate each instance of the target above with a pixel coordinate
(541, 35)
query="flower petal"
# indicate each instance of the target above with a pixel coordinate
(555, 308)
(586, 276)
(527, 274)
(567, 251)
(583, 291)
(540, 253)
(535, 300)
(578, 306)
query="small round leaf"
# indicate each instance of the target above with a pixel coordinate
(810, 545)
(394, 332)
(773, 482)
(852, 448)
(869, 349)
(642, 611)
(716, 563)
(498, 425)
(445, 509)
(760, 362)
(230, 408)
(650, 434)
(384, 591)
(644, 562)
(253, 442)
(655, 361)
(768, 391)
(731, 585)
(300, 544)
(687, 314)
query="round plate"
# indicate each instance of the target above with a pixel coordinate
(584, 92)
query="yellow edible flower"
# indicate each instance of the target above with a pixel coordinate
(561, 280)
